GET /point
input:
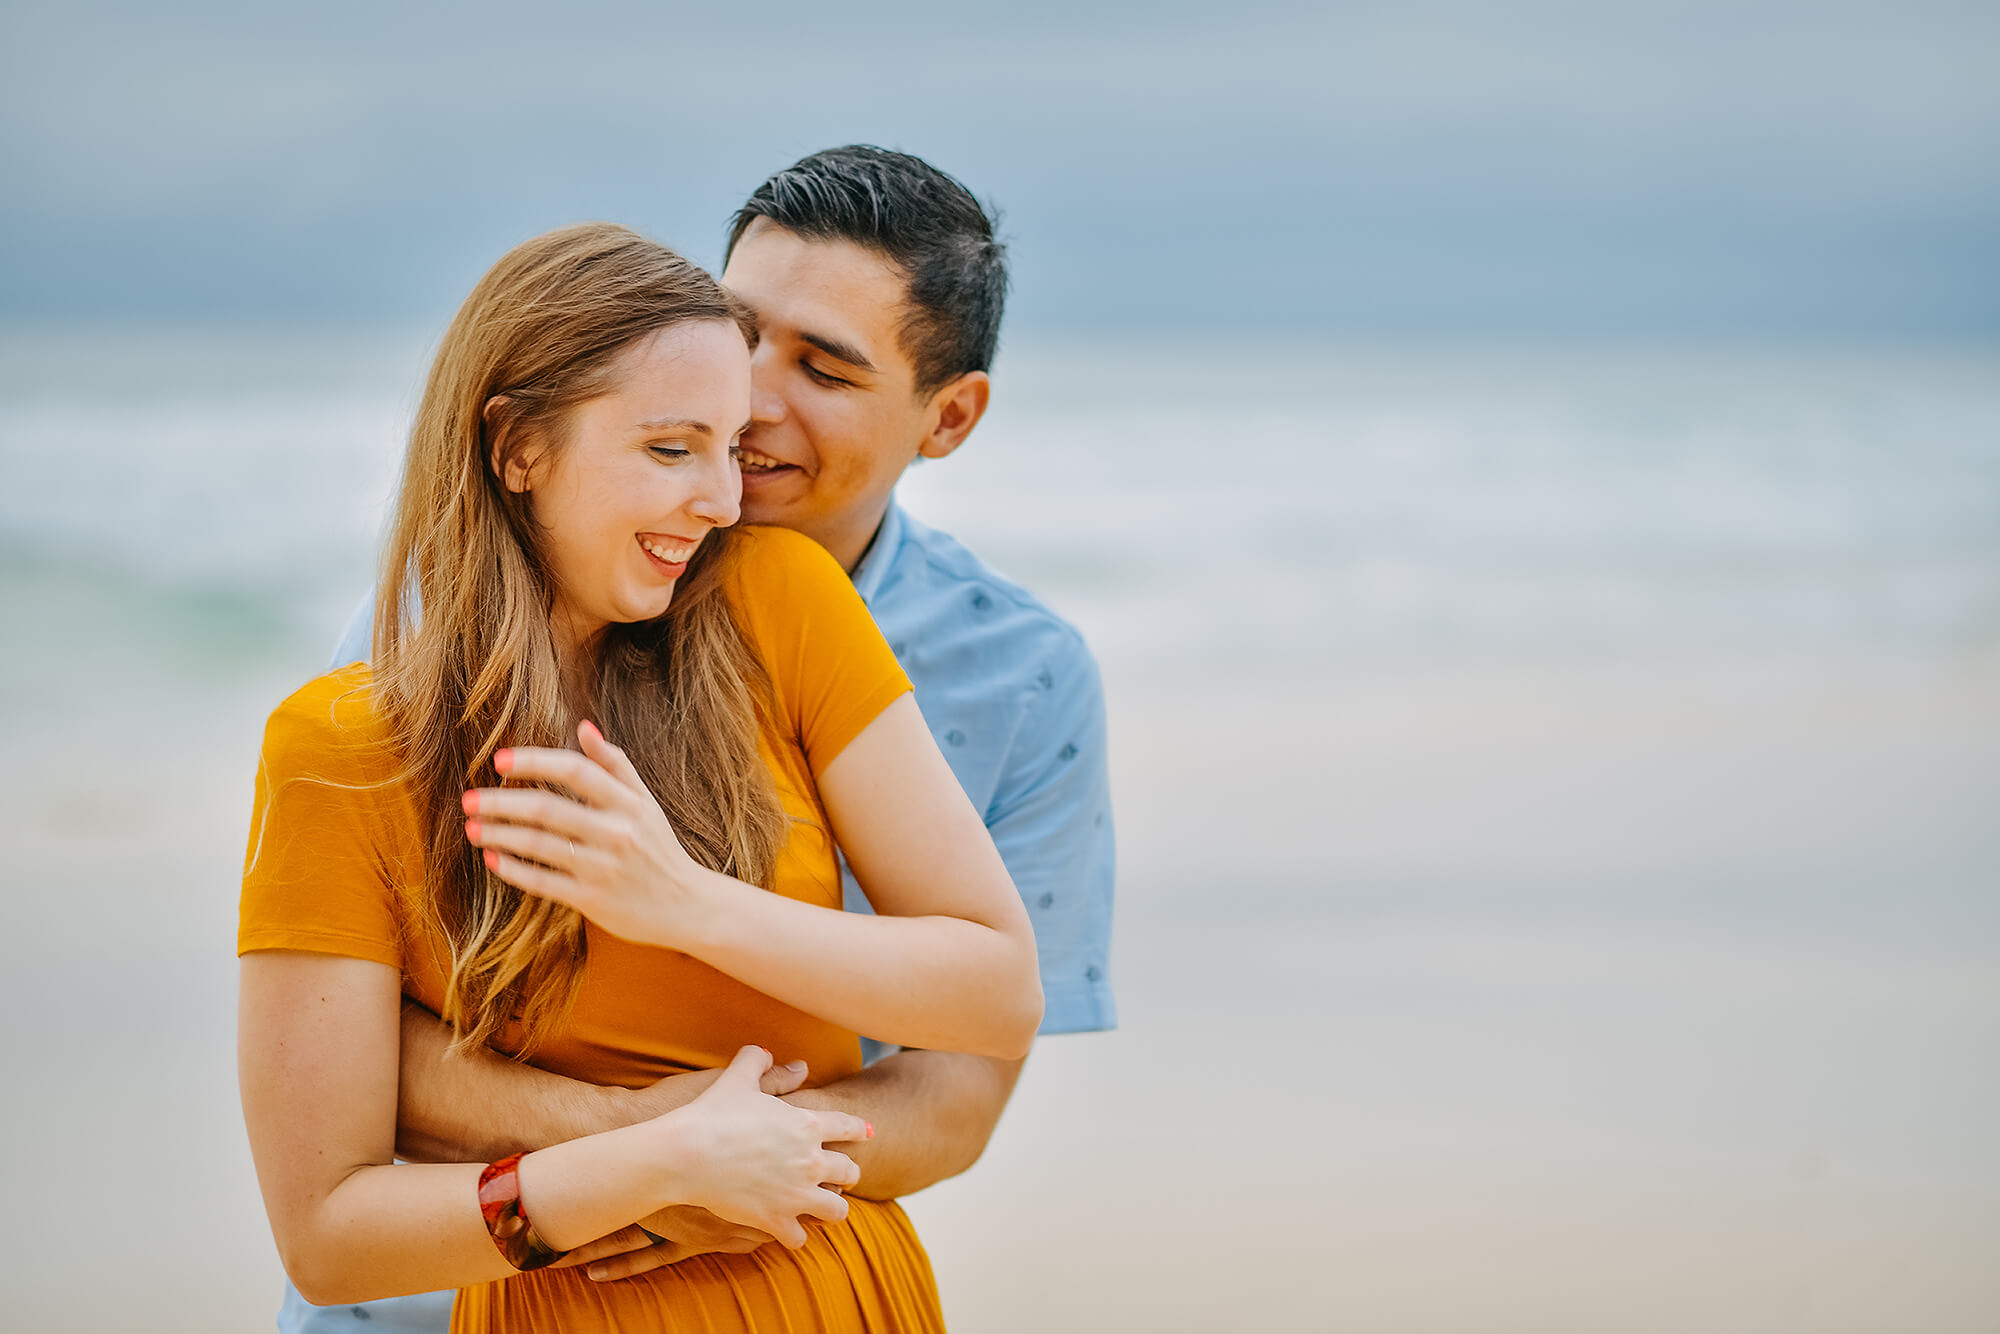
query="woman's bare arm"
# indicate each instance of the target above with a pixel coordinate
(317, 1062)
(947, 962)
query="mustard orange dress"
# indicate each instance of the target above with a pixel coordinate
(334, 867)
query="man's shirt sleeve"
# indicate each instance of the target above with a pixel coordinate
(1051, 820)
(357, 640)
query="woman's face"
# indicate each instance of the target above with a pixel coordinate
(645, 472)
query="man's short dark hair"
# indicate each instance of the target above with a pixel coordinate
(927, 223)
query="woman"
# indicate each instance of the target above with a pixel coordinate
(563, 522)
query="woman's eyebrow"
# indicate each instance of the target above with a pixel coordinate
(676, 424)
(833, 347)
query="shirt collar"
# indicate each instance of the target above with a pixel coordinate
(874, 567)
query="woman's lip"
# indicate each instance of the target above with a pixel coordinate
(674, 538)
(671, 571)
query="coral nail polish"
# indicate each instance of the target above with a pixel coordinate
(491, 858)
(472, 830)
(871, 1128)
(471, 803)
(503, 760)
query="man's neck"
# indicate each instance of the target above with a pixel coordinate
(850, 542)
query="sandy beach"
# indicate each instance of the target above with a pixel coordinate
(1585, 989)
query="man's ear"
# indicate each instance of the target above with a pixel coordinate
(955, 410)
(514, 467)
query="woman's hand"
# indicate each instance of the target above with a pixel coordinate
(753, 1160)
(607, 852)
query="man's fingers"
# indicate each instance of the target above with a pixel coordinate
(782, 1079)
(637, 1262)
(622, 1242)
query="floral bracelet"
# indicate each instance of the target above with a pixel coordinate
(507, 1222)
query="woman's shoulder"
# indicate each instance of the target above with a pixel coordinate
(332, 724)
(771, 561)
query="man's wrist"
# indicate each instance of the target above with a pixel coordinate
(629, 1106)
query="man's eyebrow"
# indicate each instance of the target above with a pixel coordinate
(677, 424)
(846, 352)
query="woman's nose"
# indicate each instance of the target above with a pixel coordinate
(719, 499)
(767, 405)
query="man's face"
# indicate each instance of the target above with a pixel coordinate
(835, 415)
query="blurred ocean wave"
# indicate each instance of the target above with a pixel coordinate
(1200, 507)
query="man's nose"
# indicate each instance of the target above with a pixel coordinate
(719, 498)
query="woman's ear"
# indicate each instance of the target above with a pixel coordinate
(514, 467)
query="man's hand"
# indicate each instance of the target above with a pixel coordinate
(688, 1231)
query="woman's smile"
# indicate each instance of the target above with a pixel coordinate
(668, 554)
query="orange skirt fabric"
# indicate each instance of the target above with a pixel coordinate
(867, 1274)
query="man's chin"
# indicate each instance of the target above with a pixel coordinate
(768, 512)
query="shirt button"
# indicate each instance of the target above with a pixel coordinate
(955, 737)
(1093, 973)
(1046, 679)
(1068, 752)
(1046, 901)
(980, 602)
(897, 649)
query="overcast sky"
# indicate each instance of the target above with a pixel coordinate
(1746, 168)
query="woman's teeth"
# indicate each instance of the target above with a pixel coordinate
(672, 555)
(752, 461)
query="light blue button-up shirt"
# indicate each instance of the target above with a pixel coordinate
(1012, 695)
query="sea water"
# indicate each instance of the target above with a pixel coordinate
(1234, 508)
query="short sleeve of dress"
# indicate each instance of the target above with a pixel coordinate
(831, 668)
(315, 875)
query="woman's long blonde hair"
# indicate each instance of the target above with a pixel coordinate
(464, 661)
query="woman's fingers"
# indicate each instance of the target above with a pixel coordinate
(838, 1170)
(544, 810)
(827, 1205)
(579, 773)
(615, 761)
(552, 850)
(840, 1128)
(746, 1068)
(540, 881)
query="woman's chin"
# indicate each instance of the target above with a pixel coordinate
(648, 608)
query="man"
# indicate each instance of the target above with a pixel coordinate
(879, 286)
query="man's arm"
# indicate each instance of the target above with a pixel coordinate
(933, 1111)
(478, 1107)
